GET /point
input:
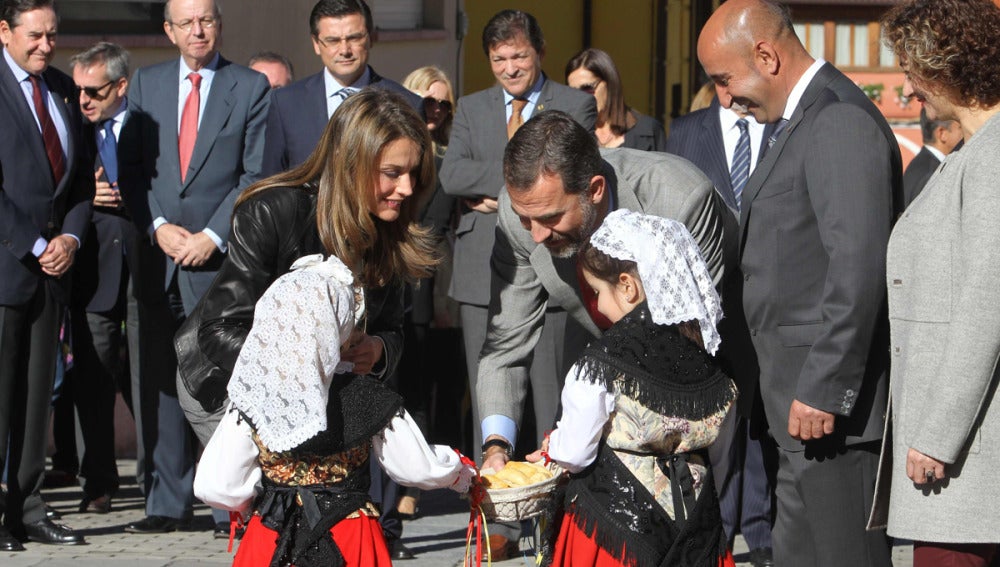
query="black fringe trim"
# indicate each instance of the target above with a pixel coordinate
(693, 402)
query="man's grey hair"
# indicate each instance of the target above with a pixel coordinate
(115, 58)
(216, 8)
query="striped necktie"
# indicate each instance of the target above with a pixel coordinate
(740, 170)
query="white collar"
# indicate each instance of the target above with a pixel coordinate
(800, 88)
(206, 72)
(935, 152)
(333, 86)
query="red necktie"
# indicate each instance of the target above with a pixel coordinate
(53, 147)
(590, 302)
(189, 124)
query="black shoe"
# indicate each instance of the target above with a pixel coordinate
(44, 531)
(221, 531)
(398, 551)
(9, 542)
(99, 505)
(155, 525)
(761, 557)
(51, 513)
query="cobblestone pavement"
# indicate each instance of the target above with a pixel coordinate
(436, 536)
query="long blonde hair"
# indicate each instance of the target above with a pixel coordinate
(345, 166)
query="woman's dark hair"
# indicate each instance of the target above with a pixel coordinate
(616, 112)
(951, 45)
(608, 269)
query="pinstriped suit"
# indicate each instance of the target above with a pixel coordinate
(738, 461)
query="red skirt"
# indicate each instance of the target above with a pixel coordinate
(576, 549)
(359, 539)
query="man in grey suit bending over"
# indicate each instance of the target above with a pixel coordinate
(192, 142)
(484, 121)
(814, 225)
(559, 189)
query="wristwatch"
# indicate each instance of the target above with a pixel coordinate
(507, 448)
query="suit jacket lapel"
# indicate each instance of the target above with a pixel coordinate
(22, 115)
(166, 90)
(315, 98)
(497, 122)
(763, 170)
(217, 110)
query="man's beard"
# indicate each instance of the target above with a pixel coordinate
(567, 245)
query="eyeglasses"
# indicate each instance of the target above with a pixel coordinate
(353, 40)
(431, 103)
(93, 92)
(207, 22)
(589, 88)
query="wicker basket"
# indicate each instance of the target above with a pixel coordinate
(521, 502)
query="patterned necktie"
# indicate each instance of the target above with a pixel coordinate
(345, 92)
(740, 171)
(109, 152)
(516, 120)
(189, 124)
(53, 147)
(777, 132)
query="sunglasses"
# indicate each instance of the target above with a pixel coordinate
(430, 103)
(93, 92)
(589, 88)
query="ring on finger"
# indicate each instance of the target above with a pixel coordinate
(930, 476)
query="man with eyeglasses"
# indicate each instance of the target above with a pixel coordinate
(341, 33)
(101, 275)
(472, 170)
(45, 192)
(192, 142)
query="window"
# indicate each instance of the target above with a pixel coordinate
(110, 17)
(398, 14)
(848, 44)
(813, 37)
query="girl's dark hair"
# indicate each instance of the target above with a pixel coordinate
(607, 269)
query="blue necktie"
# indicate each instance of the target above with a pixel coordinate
(740, 171)
(345, 92)
(109, 152)
(777, 132)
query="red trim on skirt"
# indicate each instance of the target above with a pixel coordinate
(359, 539)
(576, 549)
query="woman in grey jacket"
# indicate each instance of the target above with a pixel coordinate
(944, 302)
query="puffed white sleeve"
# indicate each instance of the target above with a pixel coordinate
(408, 459)
(586, 407)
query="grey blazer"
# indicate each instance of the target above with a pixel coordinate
(814, 225)
(226, 159)
(473, 168)
(525, 277)
(943, 266)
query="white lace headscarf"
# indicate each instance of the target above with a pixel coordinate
(281, 380)
(674, 276)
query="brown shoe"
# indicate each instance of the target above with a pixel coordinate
(501, 548)
(99, 505)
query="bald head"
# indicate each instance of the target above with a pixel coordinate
(750, 51)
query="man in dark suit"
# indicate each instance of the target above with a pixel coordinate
(725, 144)
(45, 191)
(101, 276)
(941, 137)
(342, 33)
(815, 222)
(484, 121)
(192, 142)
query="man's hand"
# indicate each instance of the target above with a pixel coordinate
(58, 255)
(482, 204)
(805, 422)
(197, 249)
(106, 195)
(171, 239)
(495, 457)
(923, 469)
(364, 351)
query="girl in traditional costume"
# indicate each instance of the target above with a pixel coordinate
(641, 405)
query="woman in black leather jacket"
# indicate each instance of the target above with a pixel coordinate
(326, 205)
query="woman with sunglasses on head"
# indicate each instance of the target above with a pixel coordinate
(593, 71)
(356, 197)
(944, 313)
